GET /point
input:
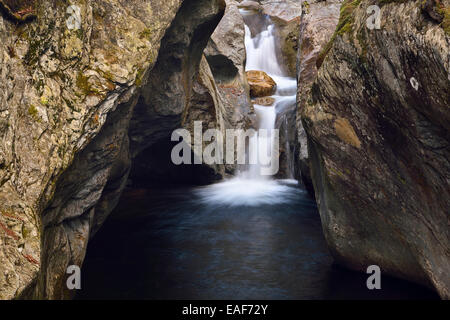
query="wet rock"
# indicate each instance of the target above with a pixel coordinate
(286, 10)
(250, 5)
(264, 101)
(377, 122)
(261, 84)
(287, 36)
(318, 23)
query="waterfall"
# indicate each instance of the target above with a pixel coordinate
(250, 187)
(261, 51)
(262, 56)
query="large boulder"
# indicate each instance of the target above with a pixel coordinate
(377, 120)
(226, 56)
(67, 95)
(261, 84)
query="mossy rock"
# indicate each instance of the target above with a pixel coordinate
(32, 111)
(438, 12)
(345, 25)
(446, 22)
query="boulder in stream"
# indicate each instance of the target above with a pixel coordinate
(264, 101)
(261, 84)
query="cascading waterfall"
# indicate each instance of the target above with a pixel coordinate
(250, 187)
(261, 55)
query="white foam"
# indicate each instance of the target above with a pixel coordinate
(245, 192)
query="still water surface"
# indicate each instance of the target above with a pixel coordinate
(187, 244)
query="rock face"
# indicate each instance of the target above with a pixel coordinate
(261, 84)
(167, 98)
(318, 23)
(286, 16)
(287, 36)
(226, 56)
(377, 120)
(67, 97)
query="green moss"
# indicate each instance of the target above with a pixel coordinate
(32, 54)
(446, 22)
(44, 101)
(442, 11)
(32, 111)
(305, 4)
(25, 232)
(145, 34)
(140, 77)
(346, 18)
(85, 86)
(80, 34)
(39, 86)
(83, 82)
(345, 25)
(37, 47)
(323, 53)
(337, 172)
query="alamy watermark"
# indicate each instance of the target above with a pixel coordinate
(74, 280)
(374, 281)
(259, 148)
(73, 22)
(374, 20)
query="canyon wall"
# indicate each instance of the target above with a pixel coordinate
(318, 22)
(377, 124)
(74, 87)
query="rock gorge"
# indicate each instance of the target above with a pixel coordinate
(86, 111)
